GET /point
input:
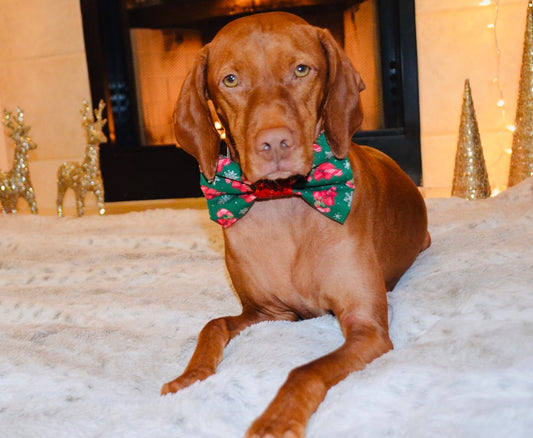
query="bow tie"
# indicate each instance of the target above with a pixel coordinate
(328, 187)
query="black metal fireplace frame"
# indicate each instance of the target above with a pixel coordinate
(134, 171)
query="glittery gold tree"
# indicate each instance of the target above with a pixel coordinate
(470, 179)
(522, 152)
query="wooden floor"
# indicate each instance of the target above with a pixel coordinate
(194, 203)
(119, 207)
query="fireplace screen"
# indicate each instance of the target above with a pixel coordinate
(162, 58)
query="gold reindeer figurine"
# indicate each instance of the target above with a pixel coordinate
(85, 177)
(16, 183)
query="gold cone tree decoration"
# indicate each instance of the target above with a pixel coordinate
(470, 179)
(522, 151)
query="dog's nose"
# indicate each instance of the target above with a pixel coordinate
(275, 143)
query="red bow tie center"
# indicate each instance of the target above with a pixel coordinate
(266, 189)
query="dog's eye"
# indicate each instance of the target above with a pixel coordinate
(230, 81)
(302, 71)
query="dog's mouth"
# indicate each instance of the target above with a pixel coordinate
(283, 175)
(281, 182)
(268, 188)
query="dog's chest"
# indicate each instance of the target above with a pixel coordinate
(282, 253)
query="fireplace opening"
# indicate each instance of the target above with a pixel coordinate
(139, 52)
(162, 57)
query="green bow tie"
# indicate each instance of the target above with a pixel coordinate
(328, 188)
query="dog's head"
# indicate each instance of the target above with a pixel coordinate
(275, 82)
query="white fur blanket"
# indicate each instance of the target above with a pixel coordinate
(96, 313)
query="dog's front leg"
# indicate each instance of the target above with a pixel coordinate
(306, 386)
(210, 348)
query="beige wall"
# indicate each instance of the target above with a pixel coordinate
(43, 70)
(455, 43)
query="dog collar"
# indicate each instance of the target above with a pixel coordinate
(328, 187)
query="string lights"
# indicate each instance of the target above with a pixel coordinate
(502, 139)
(496, 80)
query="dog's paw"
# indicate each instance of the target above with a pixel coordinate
(169, 388)
(275, 428)
(185, 380)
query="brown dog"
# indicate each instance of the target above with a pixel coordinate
(276, 84)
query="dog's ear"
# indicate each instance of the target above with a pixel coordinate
(341, 109)
(193, 127)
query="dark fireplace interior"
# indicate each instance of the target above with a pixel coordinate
(139, 51)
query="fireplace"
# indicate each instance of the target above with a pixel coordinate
(139, 51)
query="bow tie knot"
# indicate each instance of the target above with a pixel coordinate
(328, 187)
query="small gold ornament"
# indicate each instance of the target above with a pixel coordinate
(470, 179)
(16, 183)
(522, 151)
(85, 177)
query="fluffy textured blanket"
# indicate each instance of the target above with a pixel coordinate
(96, 313)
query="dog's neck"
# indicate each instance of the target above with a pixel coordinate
(328, 187)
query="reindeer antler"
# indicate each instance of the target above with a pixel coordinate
(98, 112)
(16, 124)
(7, 119)
(20, 117)
(93, 128)
(86, 114)
(100, 123)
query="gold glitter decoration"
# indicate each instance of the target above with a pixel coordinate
(470, 179)
(16, 183)
(85, 177)
(522, 152)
